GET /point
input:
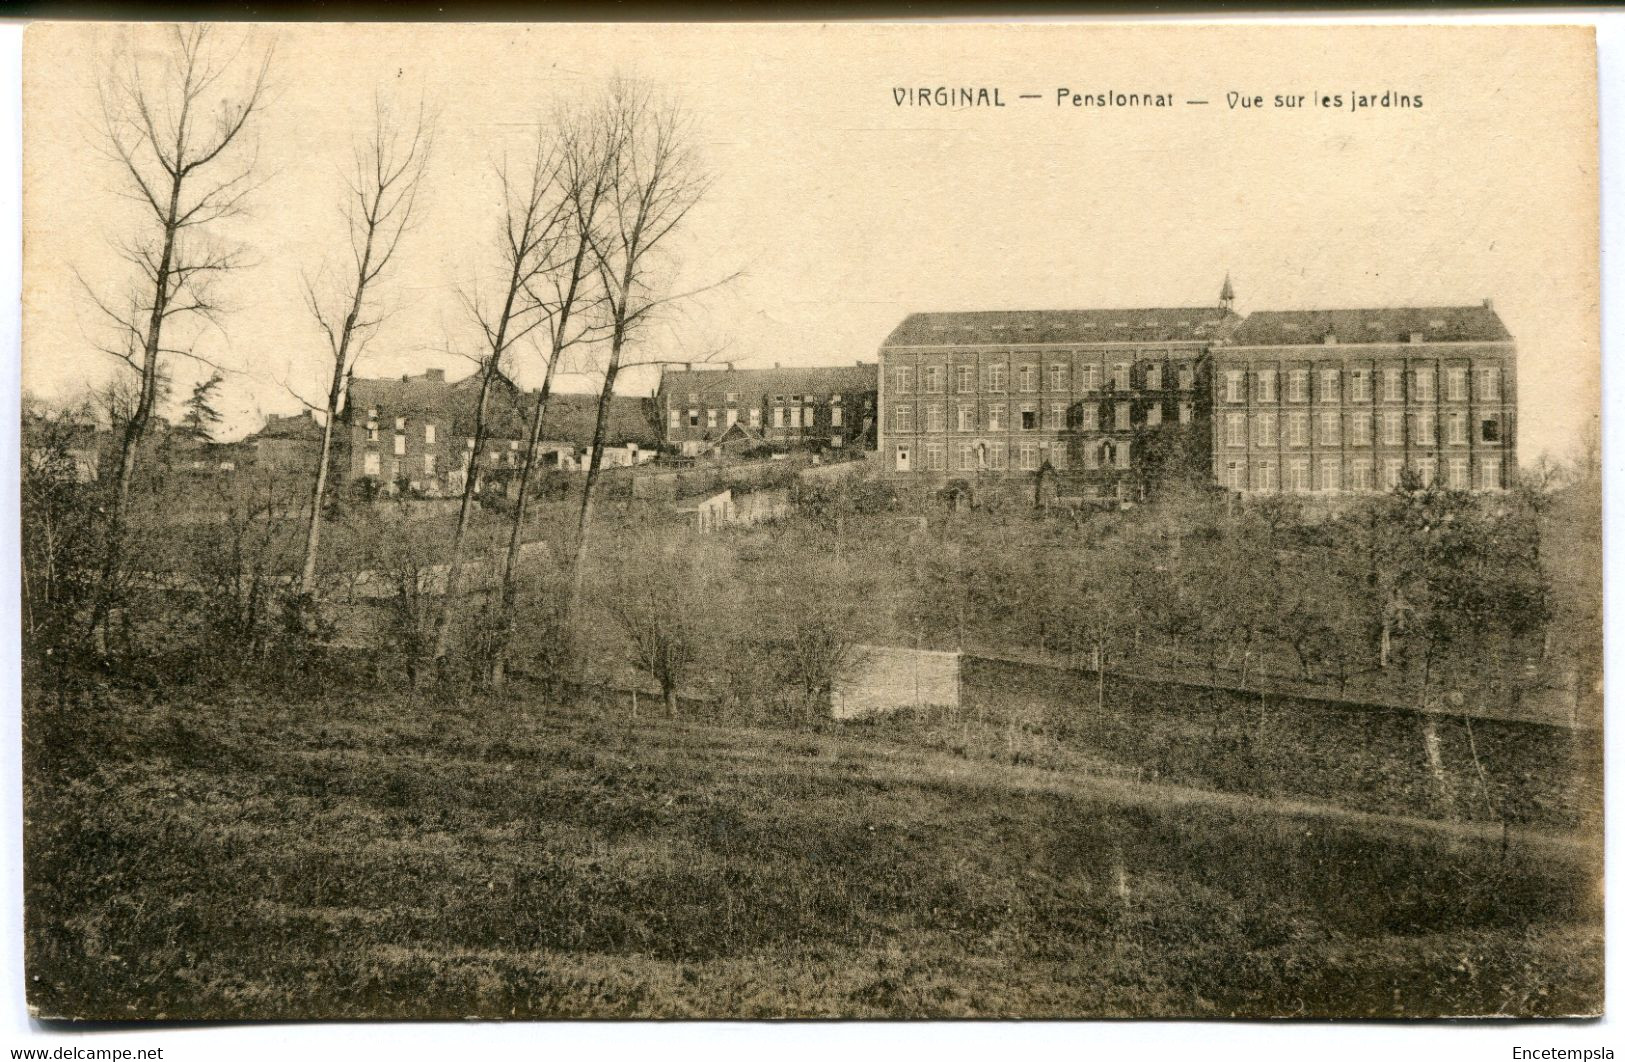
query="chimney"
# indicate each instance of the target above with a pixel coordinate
(775, 365)
(435, 375)
(1489, 304)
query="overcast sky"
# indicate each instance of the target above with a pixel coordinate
(844, 211)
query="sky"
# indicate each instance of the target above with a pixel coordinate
(841, 211)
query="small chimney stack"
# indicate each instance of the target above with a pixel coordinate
(1489, 304)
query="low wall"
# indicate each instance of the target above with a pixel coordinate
(886, 678)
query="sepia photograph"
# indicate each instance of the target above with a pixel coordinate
(815, 521)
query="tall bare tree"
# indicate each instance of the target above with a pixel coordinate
(379, 207)
(654, 181)
(565, 287)
(179, 135)
(533, 226)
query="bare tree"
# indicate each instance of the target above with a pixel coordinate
(531, 232)
(378, 208)
(178, 135)
(654, 180)
(564, 286)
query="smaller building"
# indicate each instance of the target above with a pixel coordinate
(831, 407)
(287, 443)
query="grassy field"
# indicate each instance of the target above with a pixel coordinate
(372, 854)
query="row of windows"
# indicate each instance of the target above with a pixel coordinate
(429, 430)
(783, 417)
(1054, 416)
(371, 460)
(1266, 385)
(732, 398)
(1300, 475)
(982, 455)
(1030, 378)
(1293, 429)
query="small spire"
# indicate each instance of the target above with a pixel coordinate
(1227, 295)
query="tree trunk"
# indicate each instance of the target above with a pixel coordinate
(454, 568)
(595, 456)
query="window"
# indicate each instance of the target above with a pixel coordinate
(1028, 375)
(1187, 378)
(372, 427)
(1330, 385)
(733, 417)
(1456, 425)
(1297, 475)
(675, 420)
(778, 416)
(936, 456)
(1057, 416)
(1427, 471)
(834, 399)
(1057, 376)
(1057, 457)
(1091, 377)
(1359, 385)
(400, 423)
(1458, 473)
(1422, 381)
(1233, 385)
(1360, 474)
(1297, 429)
(1089, 417)
(1393, 470)
(1120, 417)
(1029, 417)
(1297, 385)
(1029, 457)
(996, 378)
(1264, 476)
(995, 417)
(1489, 385)
(1359, 430)
(967, 457)
(1426, 427)
(996, 456)
(903, 419)
(732, 397)
(1490, 430)
(837, 416)
(1153, 415)
(694, 418)
(1393, 428)
(1329, 424)
(903, 452)
(1153, 376)
(428, 464)
(428, 434)
(400, 444)
(1235, 475)
(1266, 431)
(902, 379)
(756, 416)
(1331, 474)
(693, 397)
(1235, 429)
(936, 418)
(933, 379)
(967, 417)
(1120, 376)
(369, 464)
(710, 418)
(1187, 410)
(1489, 472)
(1393, 385)
(965, 379)
(1264, 386)
(1123, 454)
(1455, 383)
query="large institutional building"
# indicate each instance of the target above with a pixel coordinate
(1281, 401)
(702, 410)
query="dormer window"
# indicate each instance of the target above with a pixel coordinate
(1416, 337)
(1330, 339)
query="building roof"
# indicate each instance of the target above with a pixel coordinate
(1018, 327)
(298, 426)
(824, 380)
(1388, 324)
